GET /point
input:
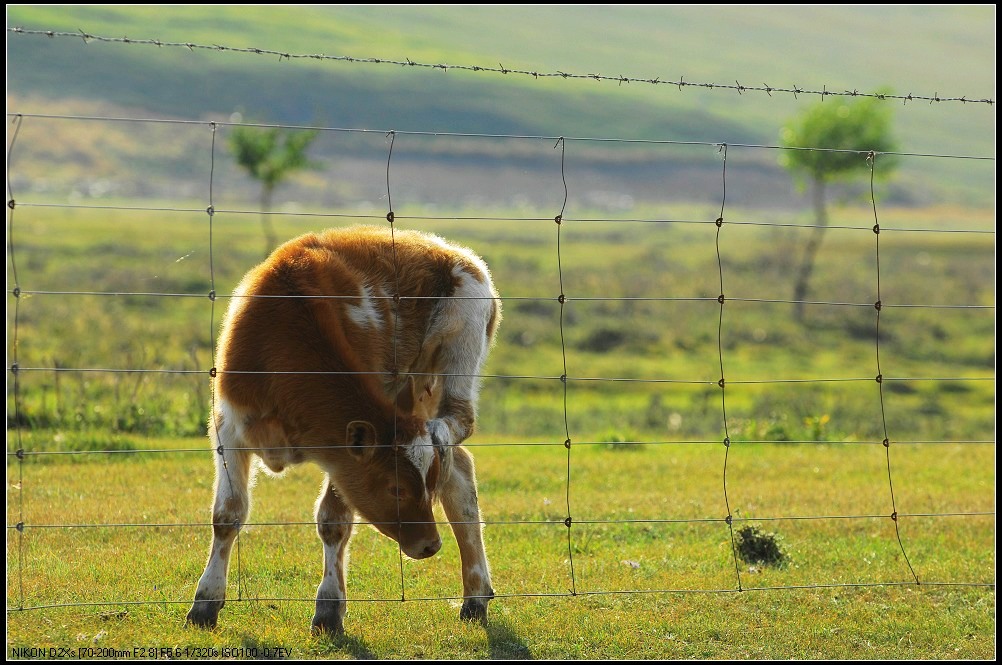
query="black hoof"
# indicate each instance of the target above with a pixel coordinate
(204, 613)
(330, 627)
(475, 609)
(327, 620)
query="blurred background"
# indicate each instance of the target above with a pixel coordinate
(945, 51)
(119, 201)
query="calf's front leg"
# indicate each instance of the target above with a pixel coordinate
(334, 524)
(459, 499)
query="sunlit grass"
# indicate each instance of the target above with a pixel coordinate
(648, 519)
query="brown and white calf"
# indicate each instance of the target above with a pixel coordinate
(320, 361)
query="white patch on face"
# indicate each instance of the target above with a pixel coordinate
(365, 314)
(421, 454)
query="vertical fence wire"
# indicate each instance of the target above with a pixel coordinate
(719, 223)
(395, 369)
(220, 446)
(14, 369)
(562, 300)
(871, 159)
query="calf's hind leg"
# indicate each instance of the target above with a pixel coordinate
(229, 512)
(334, 524)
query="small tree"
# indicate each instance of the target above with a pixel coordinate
(270, 156)
(857, 127)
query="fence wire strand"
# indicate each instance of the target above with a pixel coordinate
(719, 223)
(395, 311)
(562, 299)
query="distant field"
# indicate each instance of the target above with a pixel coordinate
(850, 48)
(643, 334)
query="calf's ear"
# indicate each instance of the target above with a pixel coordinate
(360, 438)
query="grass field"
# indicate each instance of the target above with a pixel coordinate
(642, 309)
(523, 496)
(654, 570)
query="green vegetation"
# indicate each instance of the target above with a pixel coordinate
(615, 325)
(754, 546)
(856, 127)
(647, 479)
(271, 156)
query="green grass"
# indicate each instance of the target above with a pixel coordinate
(688, 605)
(665, 353)
(654, 574)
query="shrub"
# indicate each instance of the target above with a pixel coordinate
(760, 548)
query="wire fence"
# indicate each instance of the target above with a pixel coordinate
(722, 383)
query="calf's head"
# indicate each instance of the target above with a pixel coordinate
(393, 482)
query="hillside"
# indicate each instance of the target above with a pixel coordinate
(948, 51)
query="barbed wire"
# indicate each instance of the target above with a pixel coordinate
(569, 520)
(679, 83)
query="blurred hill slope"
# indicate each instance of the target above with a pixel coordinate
(922, 50)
